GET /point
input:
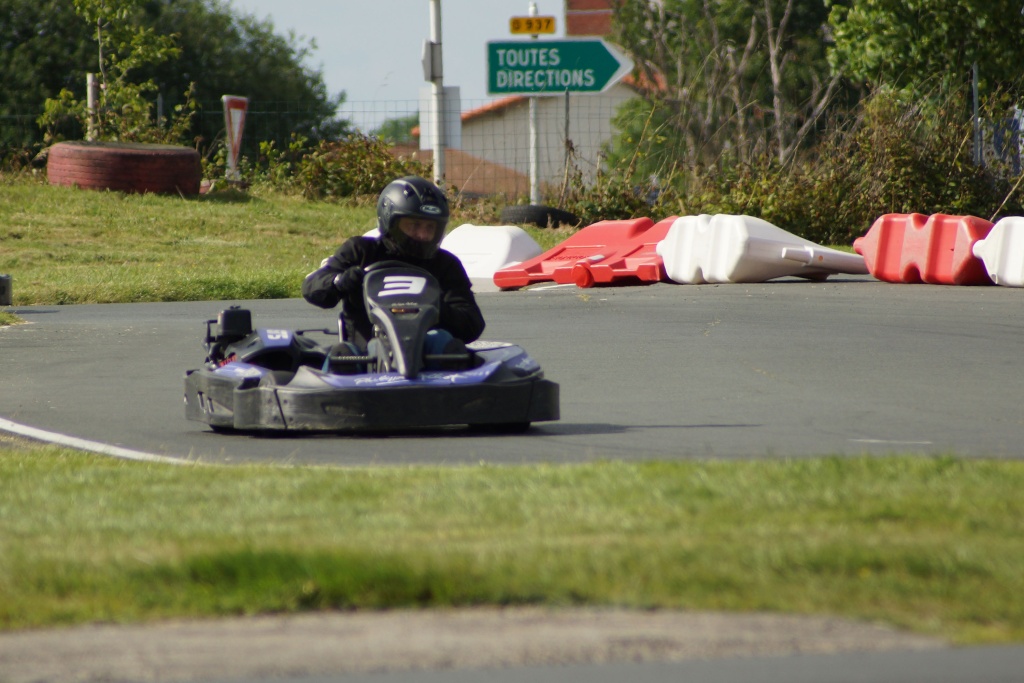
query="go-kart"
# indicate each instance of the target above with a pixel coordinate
(270, 379)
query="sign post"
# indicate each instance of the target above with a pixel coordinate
(550, 67)
(433, 71)
(534, 116)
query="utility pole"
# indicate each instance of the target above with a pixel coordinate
(534, 137)
(437, 90)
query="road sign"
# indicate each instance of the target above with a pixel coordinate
(552, 67)
(532, 25)
(234, 123)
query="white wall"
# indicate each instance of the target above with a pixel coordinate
(502, 136)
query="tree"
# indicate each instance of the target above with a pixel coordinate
(46, 47)
(728, 79)
(398, 130)
(38, 39)
(225, 53)
(930, 44)
(122, 46)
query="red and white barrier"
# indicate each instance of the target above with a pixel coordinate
(914, 248)
(726, 248)
(1002, 252)
(606, 252)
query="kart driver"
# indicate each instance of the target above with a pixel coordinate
(412, 214)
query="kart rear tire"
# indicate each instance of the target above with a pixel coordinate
(500, 428)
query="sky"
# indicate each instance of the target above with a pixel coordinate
(371, 49)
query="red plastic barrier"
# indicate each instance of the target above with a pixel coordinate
(599, 253)
(634, 258)
(914, 248)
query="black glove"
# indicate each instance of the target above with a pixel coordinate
(350, 281)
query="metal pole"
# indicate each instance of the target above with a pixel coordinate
(566, 143)
(534, 137)
(91, 95)
(977, 119)
(437, 90)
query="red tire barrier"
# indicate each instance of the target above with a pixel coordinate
(913, 248)
(126, 167)
(577, 257)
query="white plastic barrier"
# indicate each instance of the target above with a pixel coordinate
(1002, 252)
(486, 249)
(724, 248)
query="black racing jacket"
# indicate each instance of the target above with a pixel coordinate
(460, 314)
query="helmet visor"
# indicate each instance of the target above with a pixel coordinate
(415, 237)
(418, 229)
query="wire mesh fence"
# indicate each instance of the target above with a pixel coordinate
(488, 152)
(487, 149)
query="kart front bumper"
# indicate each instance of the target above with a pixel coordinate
(308, 402)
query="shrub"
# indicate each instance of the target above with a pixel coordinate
(354, 167)
(895, 154)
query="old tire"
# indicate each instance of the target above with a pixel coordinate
(536, 214)
(125, 166)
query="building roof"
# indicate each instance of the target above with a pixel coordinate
(470, 175)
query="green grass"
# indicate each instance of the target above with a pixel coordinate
(931, 544)
(65, 246)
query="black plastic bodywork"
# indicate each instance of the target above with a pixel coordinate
(272, 379)
(249, 397)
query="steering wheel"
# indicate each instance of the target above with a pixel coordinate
(392, 263)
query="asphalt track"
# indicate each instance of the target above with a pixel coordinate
(789, 368)
(969, 665)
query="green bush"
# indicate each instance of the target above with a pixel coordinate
(899, 156)
(896, 154)
(357, 166)
(611, 197)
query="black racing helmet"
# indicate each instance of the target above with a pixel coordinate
(418, 198)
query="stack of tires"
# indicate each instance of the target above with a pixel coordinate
(125, 166)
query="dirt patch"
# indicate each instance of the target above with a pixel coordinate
(335, 643)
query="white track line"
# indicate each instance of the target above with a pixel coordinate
(84, 445)
(896, 443)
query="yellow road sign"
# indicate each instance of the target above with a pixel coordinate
(532, 25)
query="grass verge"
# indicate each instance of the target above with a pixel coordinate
(930, 544)
(66, 246)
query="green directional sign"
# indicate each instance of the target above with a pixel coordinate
(551, 67)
